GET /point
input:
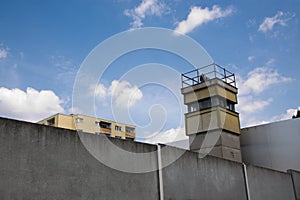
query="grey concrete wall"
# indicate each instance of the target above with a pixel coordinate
(269, 184)
(296, 182)
(190, 177)
(274, 145)
(42, 162)
(39, 162)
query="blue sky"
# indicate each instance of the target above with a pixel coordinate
(43, 43)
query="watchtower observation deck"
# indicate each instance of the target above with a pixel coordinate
(210, 94)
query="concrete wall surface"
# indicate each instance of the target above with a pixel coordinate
(39, 162)
(269, 184)
(296, 181)
(275, 145)
(190, 177)
(42, 162)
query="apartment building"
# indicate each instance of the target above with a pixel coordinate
(92, 125)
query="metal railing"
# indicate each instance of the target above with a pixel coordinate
(205, 73)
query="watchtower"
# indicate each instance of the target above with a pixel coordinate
(212, 124)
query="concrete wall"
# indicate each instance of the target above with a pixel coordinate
(43, 162)
(296, 181)
(274, 145)
(269, 184)
(209, 178)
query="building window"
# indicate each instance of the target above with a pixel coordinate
(79, 120)
(205, 104)
(118, 128)
(50, 121)
(211, 102)
(230, 106)
(105, 125)
(129, 130)
(193, 107)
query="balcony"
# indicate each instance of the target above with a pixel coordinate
(129, 135)
(105, 130)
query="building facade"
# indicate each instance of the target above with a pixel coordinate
(91, 125)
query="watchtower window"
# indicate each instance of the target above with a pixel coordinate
(205, 104)
(230, 106)
(211, 102)
(193, 107)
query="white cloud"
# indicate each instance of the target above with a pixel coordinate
(125, 94)
(248, 104)
(199, 16)
(122, 93)
(3, 53)
(251, 58)
(169, 136)
(270, 62)
(257, 81)
(29, 105)
(260, 79)
(100, 92)
(280, 18)
(287, 115)
(146, 8)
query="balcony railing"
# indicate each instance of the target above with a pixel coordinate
(205, 73)
(132, 135)
(105, 130)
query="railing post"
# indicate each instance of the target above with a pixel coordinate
(215, 72)
(181, 81)
(234, 80)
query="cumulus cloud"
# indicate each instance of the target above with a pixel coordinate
(280, 19)
(257, 81)
(199, 16)
(29, 105)
(168, 136)
(145, 8)
(260, 79)
(3, 53)
(122, 93)
(248, 104)
(288, 114)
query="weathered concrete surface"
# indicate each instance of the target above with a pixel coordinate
(209, 178)
(296, 181)
(269, 184)
(39, 162)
